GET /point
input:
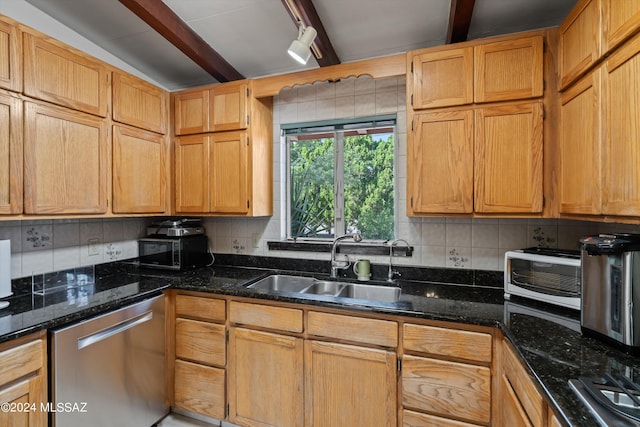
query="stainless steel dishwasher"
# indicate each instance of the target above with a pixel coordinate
(110, 370)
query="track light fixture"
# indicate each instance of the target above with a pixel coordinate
(300, 48)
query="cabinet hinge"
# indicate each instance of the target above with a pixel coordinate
(544, 113)
(412, 100)
(247, 92)
(248, 204)
(228, 409)
(412, 66)
(247, 120)
(226, 335)
(412, 123)
(399, 364)
(411, 202)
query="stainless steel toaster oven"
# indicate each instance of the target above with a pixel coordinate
(548, 275)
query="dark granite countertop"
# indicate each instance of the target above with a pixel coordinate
(547, 338)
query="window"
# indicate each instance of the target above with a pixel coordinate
(340, 178)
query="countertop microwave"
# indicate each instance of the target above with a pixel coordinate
(547, 275)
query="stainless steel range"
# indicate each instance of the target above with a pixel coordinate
(614, 401)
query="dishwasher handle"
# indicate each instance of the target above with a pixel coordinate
(103, 334)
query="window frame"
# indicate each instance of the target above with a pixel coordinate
(339, 125)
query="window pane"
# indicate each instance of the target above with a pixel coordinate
(368, 184)
(311, 184)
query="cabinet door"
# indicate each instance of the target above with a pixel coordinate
(447, 388)
(512, 412)
(265, 379)
(440, 163)
(620, 20)
(138, 103)
(228, 173)
(10, 154)
(621, 94)
(349, 386)
(192, 173)
(191, 112)
(580, 174)
(442, 79)
(508, 70)
(139, 171)
(508, 159)
(65, 161)
(200, 389)
(579, 41)
(25, 394)
(54, 72)
(228, 107)
(10, 57)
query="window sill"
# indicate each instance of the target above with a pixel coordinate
(381, 248)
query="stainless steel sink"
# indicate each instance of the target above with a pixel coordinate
(370, 292)
(282, 283)
(279, 283)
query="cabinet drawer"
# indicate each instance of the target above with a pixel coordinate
(474, 346)
(20, 361)
(200, 341)
(265, 316)
(357, 329)
(201, 308)
(523, 386)
(416, 419)
(200, 389)
(447, 388)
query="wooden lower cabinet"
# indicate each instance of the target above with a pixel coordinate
(23, 381)
(522, 405)
(450, 389)
(200, 389)
(417, 419)
(349, 385)
(265, 379)
(199, 368)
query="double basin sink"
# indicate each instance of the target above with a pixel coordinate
(281, 283)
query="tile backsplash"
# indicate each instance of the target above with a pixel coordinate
(41, 246)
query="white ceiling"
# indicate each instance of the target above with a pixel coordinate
(253, 35)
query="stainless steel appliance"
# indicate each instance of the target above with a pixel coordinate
(174, 253)
(179, 227)
(109, 370)
(548, 275)
(611, 288)
(613, 400)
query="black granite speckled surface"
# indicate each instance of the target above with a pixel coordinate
(547, 338)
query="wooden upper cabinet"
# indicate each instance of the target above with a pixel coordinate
(621, 102)
(440, 163)
(508, 158)
(442, 78)
(620, 20)
(10, 57)
(580, 177)
(508, 70)
(192, 173)
(139, 103)
(140, 171)
(10, 155)
(65, 161)
(228, 107)
(59, 74)
(579, 41)
(191, 110)
(229, 171)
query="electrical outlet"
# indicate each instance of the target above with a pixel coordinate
(93, 246)
(255, 240)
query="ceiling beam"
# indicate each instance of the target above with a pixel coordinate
(161, 18)
(303, 10)
(459, 20)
